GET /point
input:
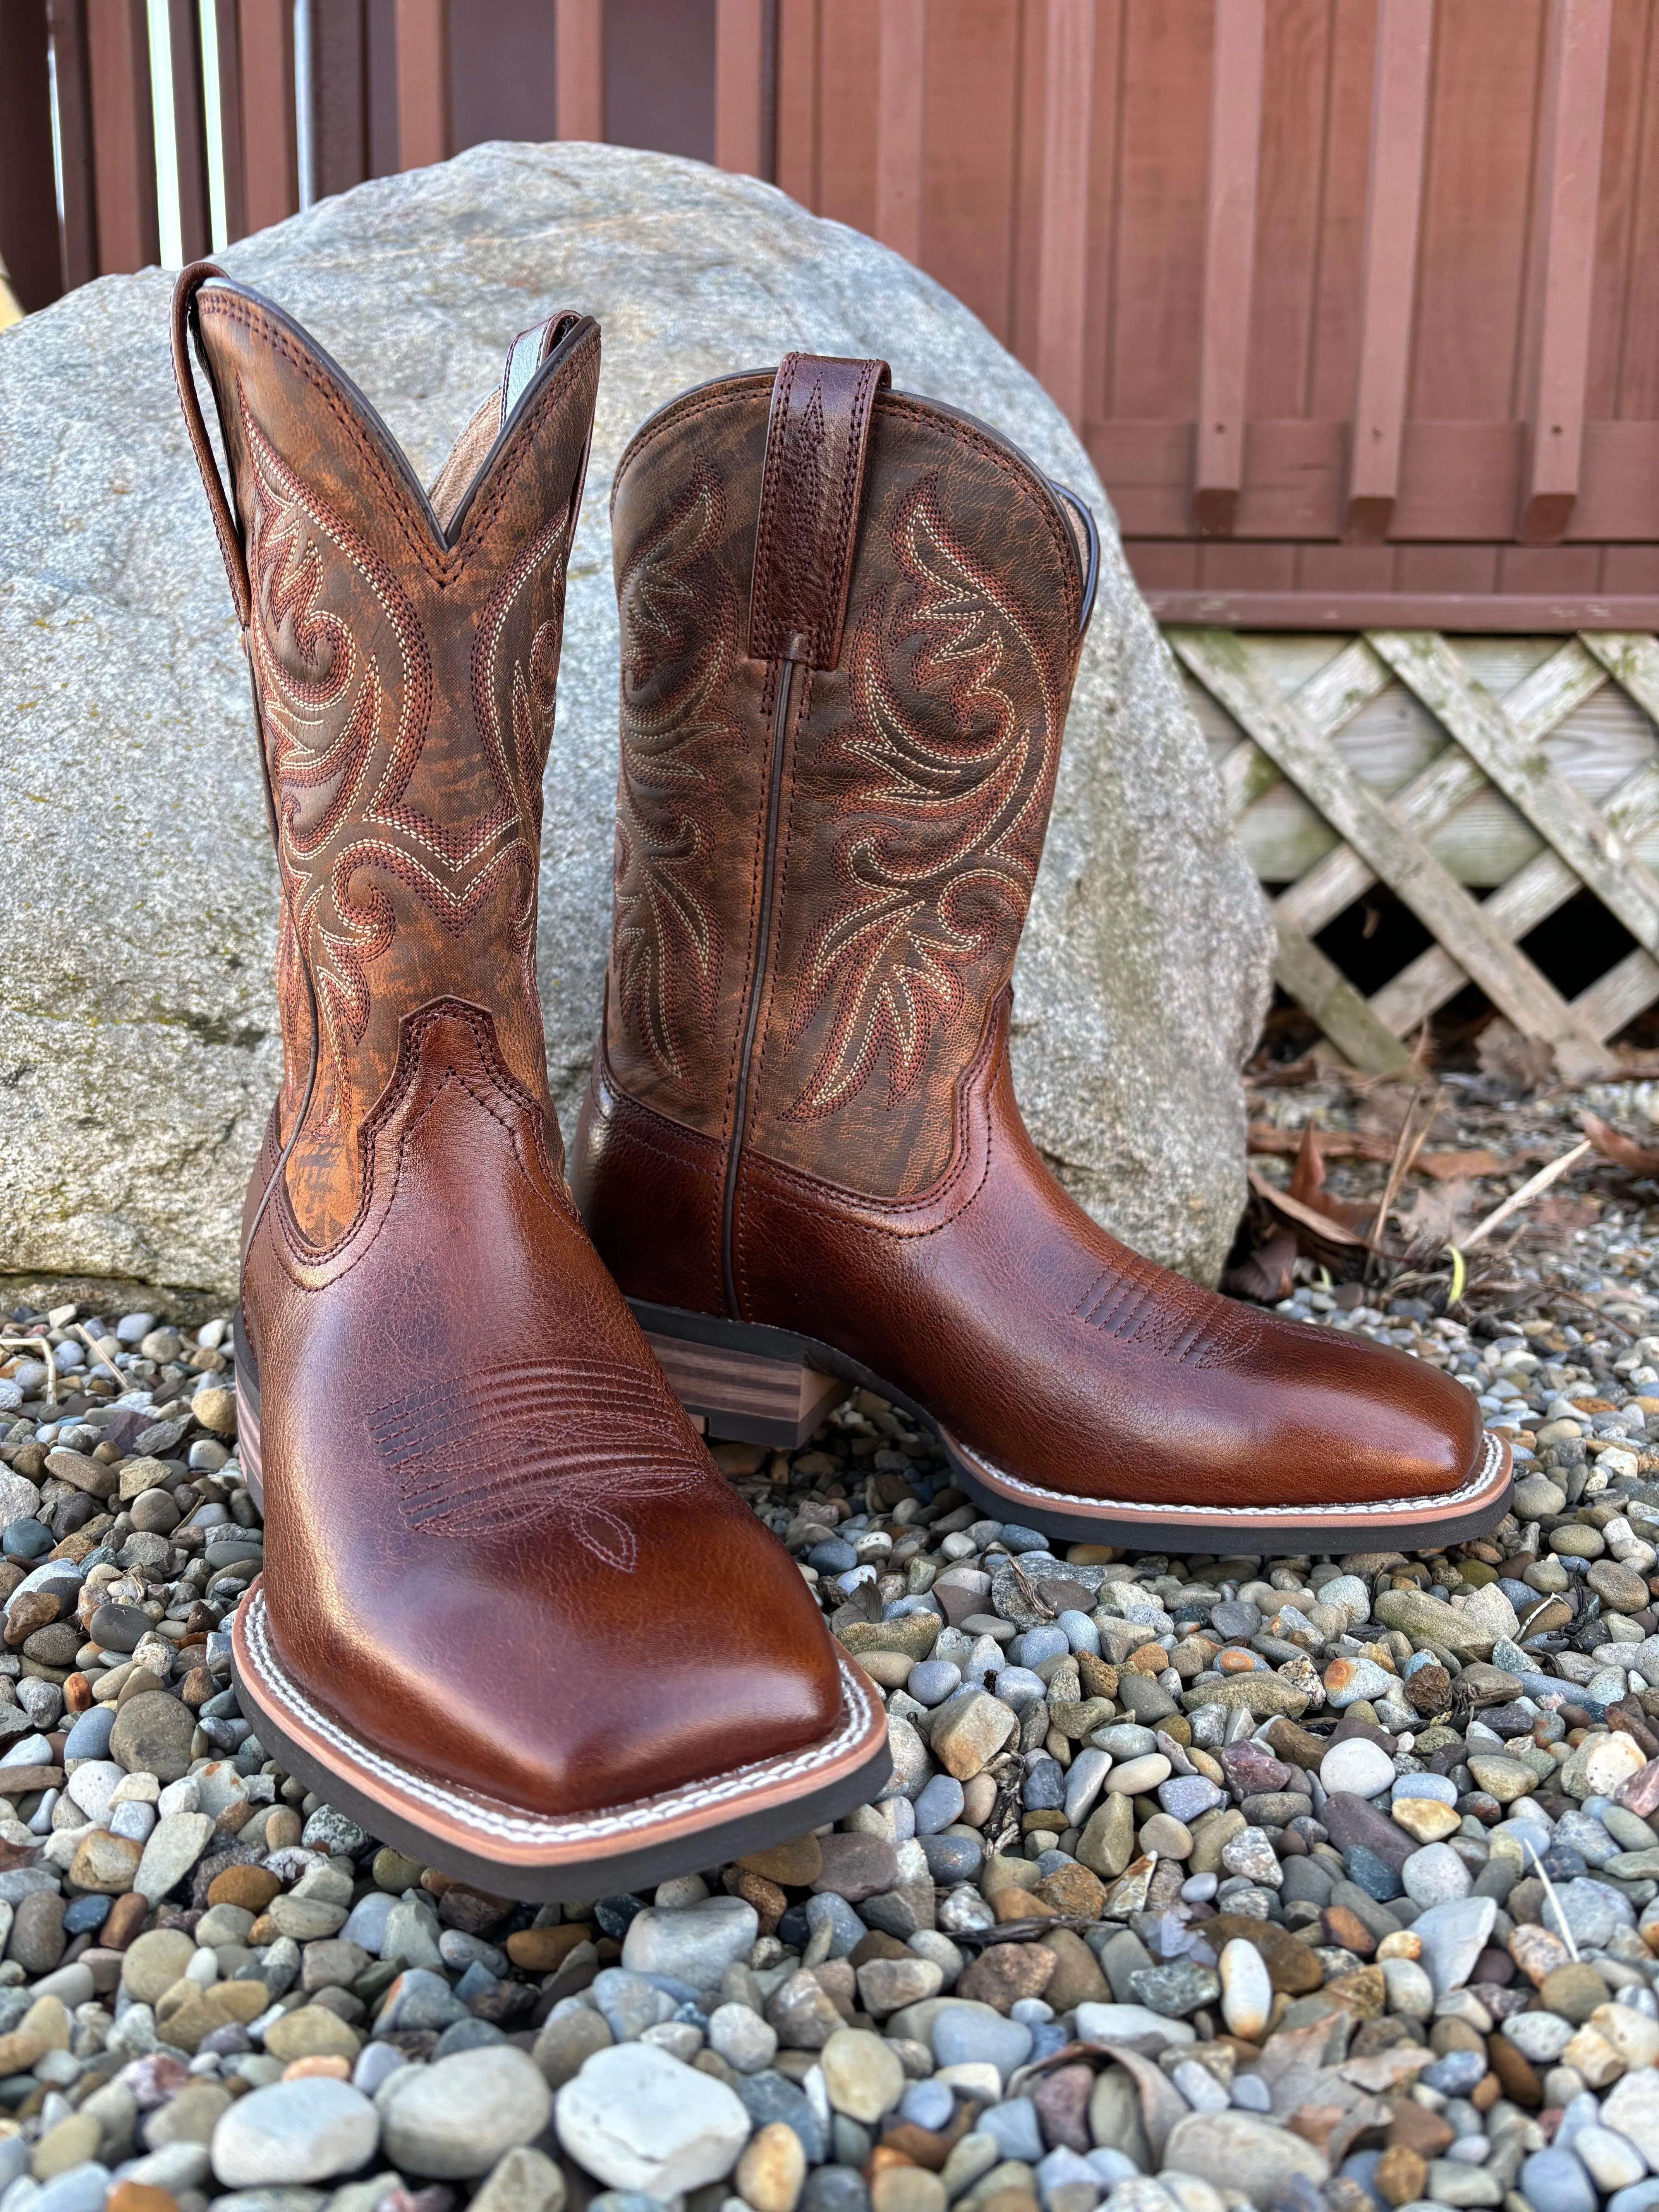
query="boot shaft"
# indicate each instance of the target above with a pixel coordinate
(403, 650)
(850, 620)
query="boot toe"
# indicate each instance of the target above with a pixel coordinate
(537, 1678)
(1377, 1423)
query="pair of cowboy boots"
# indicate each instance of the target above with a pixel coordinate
(515, 1621)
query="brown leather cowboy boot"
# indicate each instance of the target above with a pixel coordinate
(850, 621)
(478, 1634)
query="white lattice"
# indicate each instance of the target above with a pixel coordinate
(1435, 769)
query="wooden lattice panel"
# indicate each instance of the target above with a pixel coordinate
(1527, 767)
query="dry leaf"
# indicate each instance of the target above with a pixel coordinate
(1525, 1063)
(1307, 1185)
(1333, 1144)
(1565, 1211)
(1265, 1275)
(1624, 1151)
(1308, 1178)
(1319, 1235)
(1457, 1167)
(1436, 1217)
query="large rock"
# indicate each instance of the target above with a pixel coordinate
(138, 905)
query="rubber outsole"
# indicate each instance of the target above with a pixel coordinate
(1475, 1506)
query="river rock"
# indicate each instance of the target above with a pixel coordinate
(152, 1735)
(1247, 1991)
(521, 2180)
(452, 2119)
(1239, 2151)
(304, 2130)
(141, 1027)
(694, 1943)
(638, 2119)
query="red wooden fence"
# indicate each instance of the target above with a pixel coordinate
(1355, 303)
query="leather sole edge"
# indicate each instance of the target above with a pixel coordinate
(1471, 1508)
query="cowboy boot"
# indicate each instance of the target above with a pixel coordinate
(850, 624)
(478, 1633)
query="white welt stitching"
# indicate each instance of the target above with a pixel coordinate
(533, 1828)
(1491, 1456)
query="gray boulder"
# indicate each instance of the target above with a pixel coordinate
(138, 1053)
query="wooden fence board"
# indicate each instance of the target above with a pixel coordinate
(227, 37)
(1229, 261)
(1405, 252)
(1405, 42)
(339, 96)
(422, 82)
(29, 195)
(189, 127)
(900, 151)
(578, 67)
(1063, 252)
(122, 134)
(1569, 165)
(740, 91)
(270, 156)
(67, 20)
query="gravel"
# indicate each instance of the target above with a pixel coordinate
(1325, 1885)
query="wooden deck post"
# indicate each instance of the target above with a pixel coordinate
(1229, 262)
(900, 108)
(1563, 267)
(579, 68)
(1063, 253)
(1393, 203)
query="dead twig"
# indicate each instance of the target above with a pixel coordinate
(1529, 1191)
(1408, 1145)
(36, 1344)
(98, 1359)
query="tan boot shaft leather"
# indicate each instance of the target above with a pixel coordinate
(827, 838)
(477, 1485)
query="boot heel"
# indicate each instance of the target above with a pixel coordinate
(739, 1394)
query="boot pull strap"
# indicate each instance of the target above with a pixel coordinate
(815, 443)
(527, 354)
(224, 520)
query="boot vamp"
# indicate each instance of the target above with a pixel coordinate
(1045, 1347)
(1126, 1381)
(496, 1549)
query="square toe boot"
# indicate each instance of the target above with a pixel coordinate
(512, 1619)
(850, 624)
